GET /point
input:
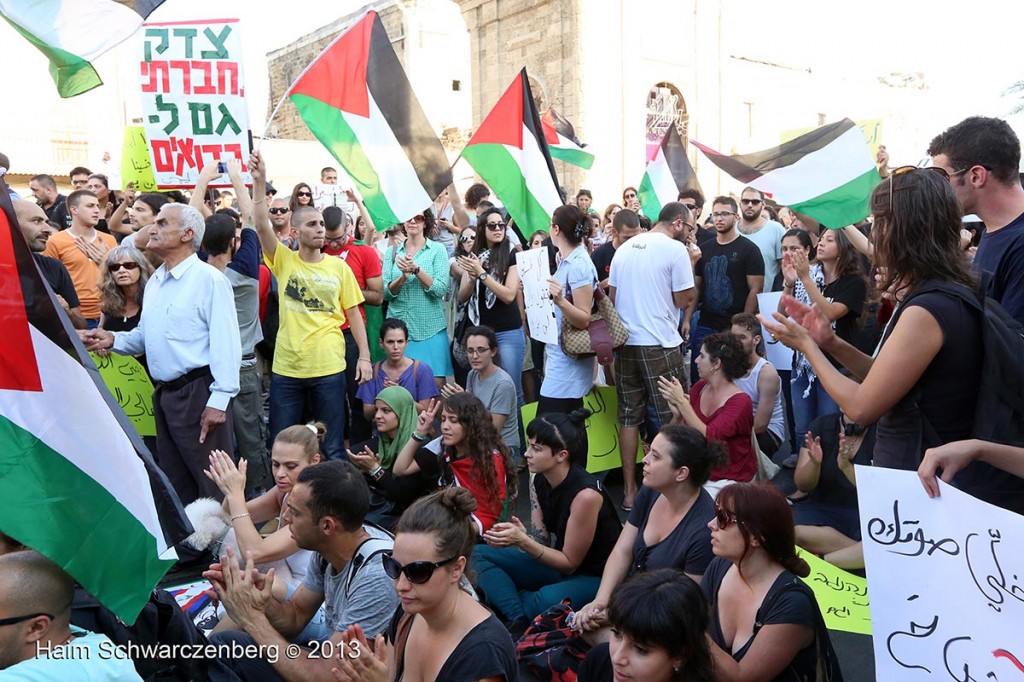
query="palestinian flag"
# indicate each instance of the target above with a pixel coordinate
(668, 174)
(357, 100)
(71, 33)
(562, 141)
(827, 173)
(76, 483)
(509, 153)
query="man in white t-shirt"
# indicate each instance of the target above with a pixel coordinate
(767, 234)
(651, 280)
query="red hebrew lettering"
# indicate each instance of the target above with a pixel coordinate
(227, 75)
(163, 155)
(186, 74)
(153, 71)
(208, 87)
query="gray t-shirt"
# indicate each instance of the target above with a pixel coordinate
(769, 241)
(369, 601)
(498, 394)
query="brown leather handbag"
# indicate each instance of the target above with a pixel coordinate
(603, 335)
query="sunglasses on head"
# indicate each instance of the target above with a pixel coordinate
(724, 519)
(416, 572)
(903, 170)
(278, 211)
(114, 267)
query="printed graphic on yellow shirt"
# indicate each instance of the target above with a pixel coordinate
(315, 293)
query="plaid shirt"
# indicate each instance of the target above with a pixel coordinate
(421, 309)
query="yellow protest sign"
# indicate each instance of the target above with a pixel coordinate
(136, 166)
(128, 382)
(842, 596)
(602, 429)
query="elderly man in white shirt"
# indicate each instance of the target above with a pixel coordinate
(189, 333)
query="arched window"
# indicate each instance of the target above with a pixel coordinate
(665, 107)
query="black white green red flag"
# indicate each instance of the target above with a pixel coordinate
(76, 483)
(562, 141)
(509, 153)
(357, 100)
(827, 173)
(668, 173)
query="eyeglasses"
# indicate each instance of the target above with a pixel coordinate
(417, 572)
(22, 619)
(724, 519)
(750, 202)
(631, 195)
(496, 227)
(722, 214)
(303, 194)
(335, 241)
(477, 351)
(692, 207)
(79, 183)
(418, 219)
(279, 211)
(114, 267)
(465, 239)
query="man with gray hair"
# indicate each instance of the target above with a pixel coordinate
(189, 333)
(37, 640)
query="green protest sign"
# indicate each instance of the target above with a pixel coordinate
(128, 382)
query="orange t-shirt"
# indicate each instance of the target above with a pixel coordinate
(85, 274)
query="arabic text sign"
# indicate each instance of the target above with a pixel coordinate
(842, 596)
(534, 271)
(193, 98)
(128, 382)
(136, 166)
(946, 578)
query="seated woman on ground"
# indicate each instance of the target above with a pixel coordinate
(295, 448)
(394, 421)
(522, 576)
(472, 456)
(827, 520)
(659, 623)
(397, 369)
(439, 631)
(765, 622)
(668, 527)
(717, 407)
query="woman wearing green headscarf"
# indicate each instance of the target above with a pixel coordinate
(395, 421)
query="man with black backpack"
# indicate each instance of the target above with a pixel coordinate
(326, 511)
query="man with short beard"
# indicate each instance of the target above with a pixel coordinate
(37, 232)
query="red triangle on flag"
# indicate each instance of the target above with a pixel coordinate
(337, 77)
(548, 122)
(504, 125)
(19, 370)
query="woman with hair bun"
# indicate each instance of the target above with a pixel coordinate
(566, 380)
(659, 623)
(765, 622)
(668, 527)
(439, 631)
(717, 407)
(523, 576)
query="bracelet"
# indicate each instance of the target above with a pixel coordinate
(540, 553)
(364, 360)
(261, 201)
(419, 437)
(377, 472)
(239, 516)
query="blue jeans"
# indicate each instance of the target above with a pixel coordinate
(805, 410)
(521, 587)
(512, 352)
(326, 398)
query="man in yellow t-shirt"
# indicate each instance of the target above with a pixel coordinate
(317, 295)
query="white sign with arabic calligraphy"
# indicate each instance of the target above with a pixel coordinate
(946, 578)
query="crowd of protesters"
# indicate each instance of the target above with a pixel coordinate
(371, 496)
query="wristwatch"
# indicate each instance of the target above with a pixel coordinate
(482, 276)
(416, 271)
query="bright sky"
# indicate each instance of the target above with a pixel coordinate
(971, 52)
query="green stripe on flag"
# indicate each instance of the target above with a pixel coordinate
(54, 507)
(501, 172)
(650, 204)
(328, 125)
(576, 157)
(71, 74)
(844, 205)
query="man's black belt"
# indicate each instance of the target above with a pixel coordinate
(249, 356)
(185, 379)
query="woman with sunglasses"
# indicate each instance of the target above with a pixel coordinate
(923, 383)
(668, 526)
(718, 408)
(765, 622)
(302, 195)
(123, 276)
(523, 576)
(566, 379)
(439, 632)
(472, 455)
(834, 284)
(394, 421)
(415, 280)
(490, 286)
(659, 623)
